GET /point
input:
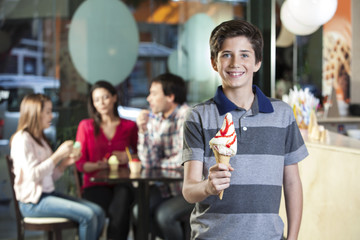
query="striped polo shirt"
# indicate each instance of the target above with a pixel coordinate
(268, 139)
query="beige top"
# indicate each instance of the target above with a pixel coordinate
(34, 171)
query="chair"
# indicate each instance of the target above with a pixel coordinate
(53, 226)
(78, 182)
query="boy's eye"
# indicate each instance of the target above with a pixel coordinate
(244, 55)
(226, 55)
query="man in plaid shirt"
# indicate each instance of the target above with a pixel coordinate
(160, 144)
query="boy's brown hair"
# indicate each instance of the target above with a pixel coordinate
(235, 28)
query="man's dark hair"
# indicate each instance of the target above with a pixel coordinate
(172, 84)
(236, 28)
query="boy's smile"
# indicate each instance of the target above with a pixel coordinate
(235, 63)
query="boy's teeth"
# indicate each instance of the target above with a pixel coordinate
(235, 74)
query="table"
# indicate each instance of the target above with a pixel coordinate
(144, 180)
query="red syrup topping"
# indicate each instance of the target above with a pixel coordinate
(227, 126)
(228, 145)
(225, 131)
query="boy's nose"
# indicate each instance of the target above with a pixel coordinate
(235, 65)
(235, 62)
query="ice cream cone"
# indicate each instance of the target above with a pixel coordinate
(221, 159)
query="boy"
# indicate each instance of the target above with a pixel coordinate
(269, 147)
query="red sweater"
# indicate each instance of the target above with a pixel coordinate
(94, 148)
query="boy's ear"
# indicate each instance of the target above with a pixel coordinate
(213, 64)
(257, 66)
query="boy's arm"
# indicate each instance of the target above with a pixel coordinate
(195, 189)
(293, 200)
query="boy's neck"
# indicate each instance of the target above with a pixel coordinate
(242, 98)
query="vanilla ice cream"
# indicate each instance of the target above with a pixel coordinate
(113, 163)
(224, 142)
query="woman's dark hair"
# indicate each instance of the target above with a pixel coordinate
(236, 28)
(92, 110)
(172, 84)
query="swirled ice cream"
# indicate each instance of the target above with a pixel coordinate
(113, 163)
(224, 141)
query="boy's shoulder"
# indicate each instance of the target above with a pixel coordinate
(202, 110)
(204, 103)
(280, 105)
(205, 106)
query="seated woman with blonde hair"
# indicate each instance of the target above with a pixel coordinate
(36, 167)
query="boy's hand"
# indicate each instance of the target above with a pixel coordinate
(219, 178)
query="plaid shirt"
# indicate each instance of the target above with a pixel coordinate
(161, 146)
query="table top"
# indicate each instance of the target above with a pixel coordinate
(123, 175)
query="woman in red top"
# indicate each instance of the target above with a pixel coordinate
(102, 135)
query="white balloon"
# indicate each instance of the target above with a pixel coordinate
(292, 24)
(103, 41)
(312, 12)
(192, 59)
(177, 64)
(285, 38)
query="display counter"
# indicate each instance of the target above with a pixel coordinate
(340, 124)
(331, 188)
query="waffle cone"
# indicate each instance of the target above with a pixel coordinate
(221, 159)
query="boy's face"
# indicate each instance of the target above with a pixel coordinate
(235, 63)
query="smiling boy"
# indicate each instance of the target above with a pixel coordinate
(269, 147)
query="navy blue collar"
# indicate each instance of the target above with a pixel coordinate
(224, 105)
